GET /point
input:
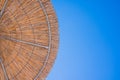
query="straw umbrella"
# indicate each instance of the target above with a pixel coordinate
(28, 39)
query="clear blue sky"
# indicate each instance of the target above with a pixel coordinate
(89, 40)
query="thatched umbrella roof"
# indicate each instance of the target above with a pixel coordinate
(28, 39)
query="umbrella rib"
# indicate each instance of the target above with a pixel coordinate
(25, 42)
(3, 9)
(4, 70)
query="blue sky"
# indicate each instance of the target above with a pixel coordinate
(89, 46)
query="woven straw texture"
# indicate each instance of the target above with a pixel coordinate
(28, 39)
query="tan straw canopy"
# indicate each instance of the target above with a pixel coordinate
(28, 39)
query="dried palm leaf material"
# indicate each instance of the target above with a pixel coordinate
(28, 39)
